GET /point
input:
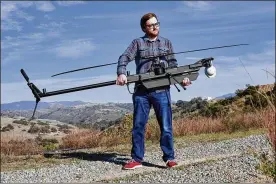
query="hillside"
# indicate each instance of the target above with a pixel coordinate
(85, 114)
(26, 133)
(29, 105)
(243, 100)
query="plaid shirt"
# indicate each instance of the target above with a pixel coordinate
(142, 47)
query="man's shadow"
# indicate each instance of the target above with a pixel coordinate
(116, 158)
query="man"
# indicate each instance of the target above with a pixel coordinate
(148, 45)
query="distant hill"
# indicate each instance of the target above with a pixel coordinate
(100, 115)
(28, 105)
(228, 95)
(77, 113)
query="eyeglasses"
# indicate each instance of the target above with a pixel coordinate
(157, 24)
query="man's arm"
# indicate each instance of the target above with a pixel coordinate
(172, 62)
(126, 57)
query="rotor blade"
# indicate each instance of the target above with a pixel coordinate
(84, 68)
(148, 57)
(211, 48)
(195, 50)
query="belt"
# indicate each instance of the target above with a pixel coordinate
(157, 89)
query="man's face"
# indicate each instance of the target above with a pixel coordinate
(152, 27)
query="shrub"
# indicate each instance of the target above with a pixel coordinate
(53, 129)
(45, 142)
(51, 146)
(45, 129)
(7, 128)
(64, 128)
(21, 122)
(213, 110)
(41, 123)
(66, 131)
(34, 129)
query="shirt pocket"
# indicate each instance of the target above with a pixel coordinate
(163, 50)
(143, 51)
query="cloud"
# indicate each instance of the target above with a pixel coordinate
(23, 15)
(52, 26)
(224, 11)
(74, 48)
(193, 58)
(198, 5)
(24, 40)
(12, 11)
(122, 15)
(221, 29)
(25, 45)
(266, 56)
(270, 43)
(10, 24)
(45, 6)
(8, 8)
(9, 91)
(69, 3)
(11, 56)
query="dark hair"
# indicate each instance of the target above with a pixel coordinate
(145, 18)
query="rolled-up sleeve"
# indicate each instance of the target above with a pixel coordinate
(126, 57)
(172, 62)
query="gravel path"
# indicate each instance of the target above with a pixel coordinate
(225, 161)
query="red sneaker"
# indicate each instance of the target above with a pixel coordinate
(171, 163)
(132, 164)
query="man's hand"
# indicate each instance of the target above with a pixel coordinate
(121, 80)
(186, 82)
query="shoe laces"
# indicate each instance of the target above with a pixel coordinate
(131, 161)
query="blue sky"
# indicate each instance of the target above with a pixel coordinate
(46, 38)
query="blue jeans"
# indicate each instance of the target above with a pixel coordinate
(161, 102)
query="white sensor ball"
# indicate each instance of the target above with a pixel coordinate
(210, 72)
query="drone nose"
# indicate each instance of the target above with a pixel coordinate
(210, 72)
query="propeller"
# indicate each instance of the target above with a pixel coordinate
(148, 57)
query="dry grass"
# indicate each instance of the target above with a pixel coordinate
(181, 127)
(83, 138)
(87, 138)
(268, 119)
(15, 147)
(197, 125)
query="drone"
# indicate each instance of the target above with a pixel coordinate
(158, 76)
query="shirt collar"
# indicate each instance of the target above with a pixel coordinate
(146, 38)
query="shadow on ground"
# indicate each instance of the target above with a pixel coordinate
(116, 158)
